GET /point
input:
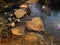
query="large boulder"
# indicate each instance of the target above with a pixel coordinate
(35, 24)
(19, 13)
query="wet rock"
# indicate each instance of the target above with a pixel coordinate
(19, 13)
(33, 39)
(18, 30)
(35, 24)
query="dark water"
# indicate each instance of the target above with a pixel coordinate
(51, 23)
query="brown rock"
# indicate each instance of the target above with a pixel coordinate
(18, 30)
(24, 6)
(19, 13)
(35, 24)
(12, 24)
(33, 39)
(32, 1)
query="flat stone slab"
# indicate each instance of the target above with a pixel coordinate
(35, 24)
(19, 13)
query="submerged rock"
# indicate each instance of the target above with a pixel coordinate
(35, 24)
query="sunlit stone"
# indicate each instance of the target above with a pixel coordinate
(24, 6)
(19, 13)
(6, 6)
(10, 19)
(32, 1)
(5, 13)
(18, 30)
(11, 14)
(1, 22)
(18, 20)
(12, 24)
(43, 7)
(35, 24)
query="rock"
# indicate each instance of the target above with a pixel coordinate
(18, 31)
(33, 39)
(12, 24)
(24, 6)
(19, 13)
(15, 9)
(45, 8)
(32, 1)
(18, 20)
(5, 13)
(10, 19)
(2, 23)
(11, 15)
(35, 24)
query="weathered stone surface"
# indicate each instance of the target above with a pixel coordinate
(19, 13)
(33, 39)
(35, 24)
(18, 30)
